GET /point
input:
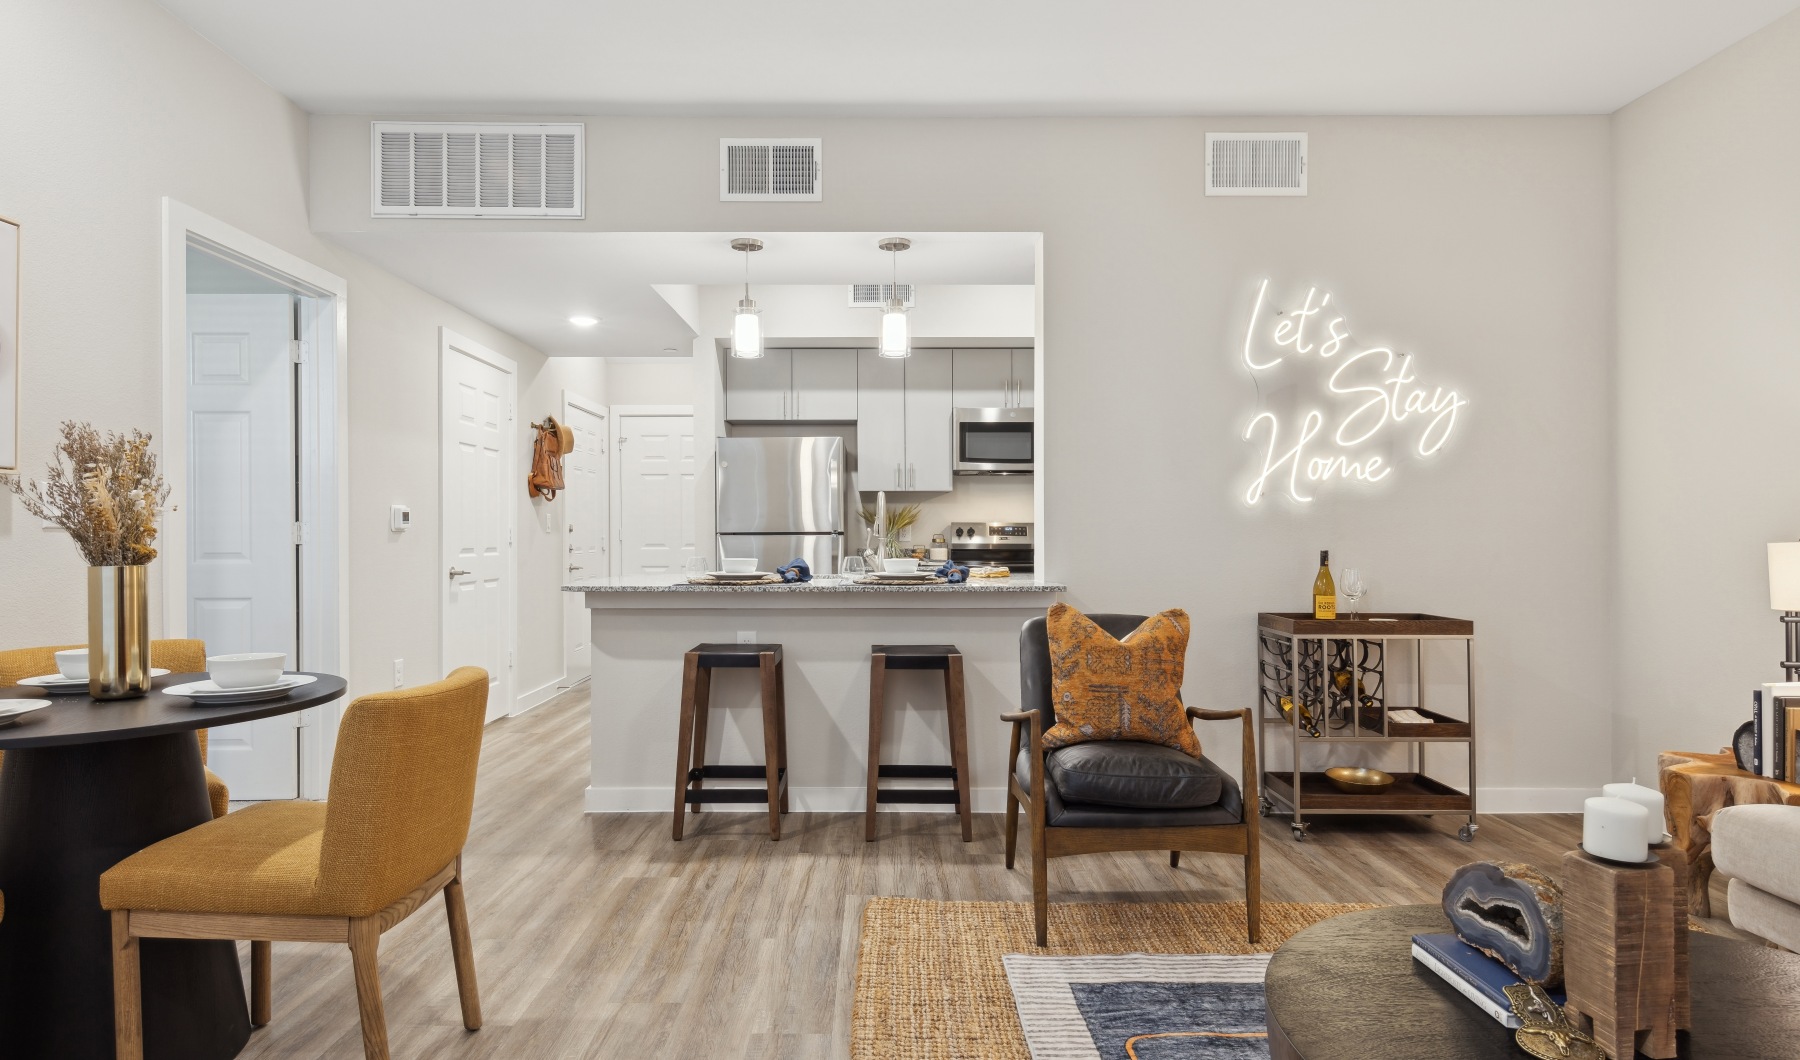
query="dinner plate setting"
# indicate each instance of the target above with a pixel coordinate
(206, 692)
(57, 684)
(13, 711)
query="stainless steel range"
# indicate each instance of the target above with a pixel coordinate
(1008, 544)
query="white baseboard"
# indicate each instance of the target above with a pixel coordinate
(1534, 800)
(800, 800)
(537, 697)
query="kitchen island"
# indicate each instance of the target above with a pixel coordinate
(641, 627)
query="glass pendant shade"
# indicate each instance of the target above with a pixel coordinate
(746, 330)
(896, 339)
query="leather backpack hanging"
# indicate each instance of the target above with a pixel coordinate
(553, 440)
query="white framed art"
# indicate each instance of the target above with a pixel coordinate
(9, 344)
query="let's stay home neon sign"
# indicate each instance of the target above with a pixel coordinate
(1372, 399)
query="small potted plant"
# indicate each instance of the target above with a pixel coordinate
(107, 493)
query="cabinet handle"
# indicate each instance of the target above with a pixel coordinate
(896, 476)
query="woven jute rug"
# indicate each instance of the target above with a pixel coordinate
(930, 984)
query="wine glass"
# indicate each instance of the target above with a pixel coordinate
(1354, 588)
(853, 567)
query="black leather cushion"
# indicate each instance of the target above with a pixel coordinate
(1135, 775)
(1062, 813)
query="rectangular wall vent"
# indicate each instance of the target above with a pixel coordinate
(876, 295)
(1256, 163)
(770, 170)
(449, 169)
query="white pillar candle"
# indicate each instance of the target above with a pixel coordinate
(1615, 829)
(1649, 798)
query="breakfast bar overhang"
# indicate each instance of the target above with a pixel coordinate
(641, 627)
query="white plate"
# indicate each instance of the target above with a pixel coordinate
(208, 692)
(13, 711)
(59, 683)
(746, 576)
(905, 575)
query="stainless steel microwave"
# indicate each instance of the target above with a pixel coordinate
(993, 441)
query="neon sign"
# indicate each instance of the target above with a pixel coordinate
(1371, 397)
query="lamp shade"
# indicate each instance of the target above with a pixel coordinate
(746, 330)
(1784, 575)
(896, 341)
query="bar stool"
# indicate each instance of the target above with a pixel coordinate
(945, 657)
(691, 770)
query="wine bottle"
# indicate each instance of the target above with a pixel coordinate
(1307, 721)
(1324, 589)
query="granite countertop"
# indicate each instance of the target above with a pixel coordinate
(1018, 583)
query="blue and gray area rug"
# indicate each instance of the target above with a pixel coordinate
(1141, 1006)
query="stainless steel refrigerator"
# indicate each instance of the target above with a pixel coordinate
(781, 499)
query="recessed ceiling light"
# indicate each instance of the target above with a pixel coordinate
(584, 322)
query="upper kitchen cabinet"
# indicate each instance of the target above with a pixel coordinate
(1024, 378)
(929, 402)
(824, 385)
(759, 388)
(903, 421)
(992, 379)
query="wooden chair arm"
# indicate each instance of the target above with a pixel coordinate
(1202, 714)
(1019, 716)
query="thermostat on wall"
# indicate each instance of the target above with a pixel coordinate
(399, 517)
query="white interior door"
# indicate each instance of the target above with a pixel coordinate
(585, 504)
(478, 505)
(241, 551)
(656, 493)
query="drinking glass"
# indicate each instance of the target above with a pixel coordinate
(695, 567)
(1354, 588)
(853, 567)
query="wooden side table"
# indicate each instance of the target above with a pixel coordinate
(1695, 786)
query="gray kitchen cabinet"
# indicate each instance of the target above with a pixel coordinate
(929, 399)
(880, 421)
(981, 379)
(759, 388)
(1024, 378)
(824, 385)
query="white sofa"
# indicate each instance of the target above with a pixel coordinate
(1759, 848)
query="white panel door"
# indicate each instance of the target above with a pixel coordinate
(880, 422)
(825, 385)
(241, 559)
(1024, 377)
(982, 379)
(928, 405)
(585, 502)
(656, 493)
(478, 499)
(759, 388)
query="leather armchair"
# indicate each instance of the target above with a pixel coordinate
(1121, 795)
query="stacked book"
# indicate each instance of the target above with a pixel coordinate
(1473, 974)
(1775, 722)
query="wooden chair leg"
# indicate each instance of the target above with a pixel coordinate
(781, 726)
(684, 739)
(365, 939)
(771, 742)
(877, 717)
(1174, 859)
(1253, 881)
(1040, 887)
(462, 950)
(128, 1010)
(1012, 821)
(262, 966)
(959, 742)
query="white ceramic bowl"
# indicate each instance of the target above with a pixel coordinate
(740, 566)
(246, 669)
(900, 566)
(72, 664)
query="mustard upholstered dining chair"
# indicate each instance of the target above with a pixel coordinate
(177, 656)
(389, 838)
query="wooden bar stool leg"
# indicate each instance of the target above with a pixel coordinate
(684, 739)
(877, 711)
(771, 693)
(781, 727)
(959, 742)
(702, 710)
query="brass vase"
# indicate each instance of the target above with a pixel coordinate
(118, 631)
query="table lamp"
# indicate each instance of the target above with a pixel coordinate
(1784, 596)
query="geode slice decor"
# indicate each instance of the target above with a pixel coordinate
(1511, 912)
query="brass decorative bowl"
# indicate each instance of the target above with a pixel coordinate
(1355, 780)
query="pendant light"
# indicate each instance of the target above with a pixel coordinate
(896, 340)
(746, 323)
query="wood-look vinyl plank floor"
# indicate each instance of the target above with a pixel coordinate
(597, 937)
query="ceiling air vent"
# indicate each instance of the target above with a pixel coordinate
(875, 295)
(446, 169)
(1256, 163)
(770, 170)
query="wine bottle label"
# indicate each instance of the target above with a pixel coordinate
(1324, 607)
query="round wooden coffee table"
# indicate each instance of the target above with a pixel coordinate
(1348, 989)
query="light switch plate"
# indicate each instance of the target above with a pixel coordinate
(399, 517)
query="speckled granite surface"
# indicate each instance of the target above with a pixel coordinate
(1015, 584)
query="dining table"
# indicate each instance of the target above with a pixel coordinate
(86, 783)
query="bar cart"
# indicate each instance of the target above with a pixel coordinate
(1332, 683)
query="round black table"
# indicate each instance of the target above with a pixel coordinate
(84, 785)
(1348, 989)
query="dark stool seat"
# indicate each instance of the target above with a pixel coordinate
(944, 657)
(691, 770)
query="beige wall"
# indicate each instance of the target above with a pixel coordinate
(1485, 244)
(1708, 373)
(113, 104)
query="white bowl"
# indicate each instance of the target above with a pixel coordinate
(900, 566)
(740, 566)
(246, 669)
(72, 664)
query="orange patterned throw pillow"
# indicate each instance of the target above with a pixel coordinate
(1107, 689)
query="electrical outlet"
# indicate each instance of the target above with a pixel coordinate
(399, 672)
(746, 636)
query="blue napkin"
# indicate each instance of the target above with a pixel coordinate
(953, 572)
(797, 571)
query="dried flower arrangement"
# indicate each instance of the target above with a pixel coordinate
(105, 491)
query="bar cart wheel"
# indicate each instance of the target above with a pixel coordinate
(1264, 808)
(1467, 832)
(1299, 828)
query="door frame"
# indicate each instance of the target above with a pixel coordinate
(570, 399)
(323, 396)
(615, 564)
(451, 344)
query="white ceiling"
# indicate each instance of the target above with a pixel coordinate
(989, 57)
(529, 283)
